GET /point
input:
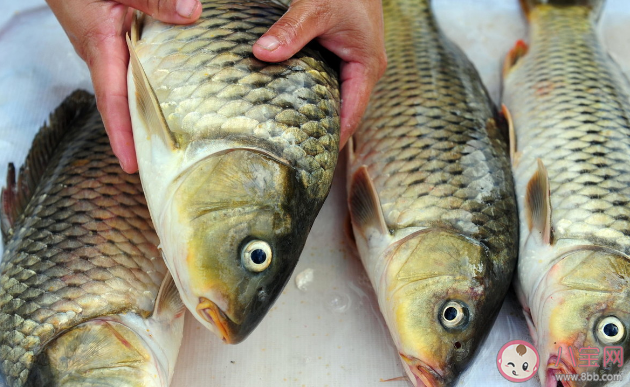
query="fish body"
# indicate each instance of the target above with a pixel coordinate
(431, 198)
(571, 114)
(236, 156)
(81, 273)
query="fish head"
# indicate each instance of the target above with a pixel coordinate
(443, 302)
(241, 226)
(583, 314)
(97, 353)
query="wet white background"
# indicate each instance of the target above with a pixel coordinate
(329, 333)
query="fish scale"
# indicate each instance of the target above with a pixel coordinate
(431, 198)
(236, 155)
(83, 248)
(209, 86)
(570, 107)
(572, 112)
(428, 148)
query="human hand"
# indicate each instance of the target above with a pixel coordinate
(351, 29)
(97, 31)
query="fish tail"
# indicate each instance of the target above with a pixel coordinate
(595, 5)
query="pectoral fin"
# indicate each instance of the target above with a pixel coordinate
(350, 150)
(148, 105)
(365, 206)
(514, 154)
(538, 203)
(168, 303)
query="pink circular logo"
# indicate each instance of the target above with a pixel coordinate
(517, 361)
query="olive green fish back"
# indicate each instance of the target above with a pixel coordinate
(210, 87)
(430, 137)
(84, 246)
(572, 110)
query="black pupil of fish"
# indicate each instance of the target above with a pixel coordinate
(258, 256)
(611, 330)
(450, 313)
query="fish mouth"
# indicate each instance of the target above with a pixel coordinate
(211, 313)
(423, 374)
(561, 368)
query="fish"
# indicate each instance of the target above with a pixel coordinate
(236, 156)
(431, 198)
(85, 297)
(570, 110)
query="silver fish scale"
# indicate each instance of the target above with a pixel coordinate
(572, 110)
(425, 138)
(85, 247)
(210, 87)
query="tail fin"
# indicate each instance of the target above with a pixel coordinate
(595, 5)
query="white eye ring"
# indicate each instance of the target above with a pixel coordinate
(454, 314)
(256, 256)
(610, 330)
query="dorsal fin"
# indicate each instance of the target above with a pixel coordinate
(147, 102)
(365, 206)
(168, 303)
(18, 192)
(516, 53)
(538, 203)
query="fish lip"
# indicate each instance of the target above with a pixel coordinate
(425, 375)
(211, 313)
(562, 368)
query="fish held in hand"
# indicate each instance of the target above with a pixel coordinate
(236, 156)
(85, 298)
(571, 107)
(431, 198)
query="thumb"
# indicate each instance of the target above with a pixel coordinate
(168, 11)
(303, 21)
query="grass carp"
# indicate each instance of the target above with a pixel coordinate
(85, 298)
(570, 106)
(236, 156)
(431, 198)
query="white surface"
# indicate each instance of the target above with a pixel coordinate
(330, 332)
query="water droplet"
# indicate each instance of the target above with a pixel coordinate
(338, 302)
(304, 278)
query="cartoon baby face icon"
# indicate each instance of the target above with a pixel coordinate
(517, 361)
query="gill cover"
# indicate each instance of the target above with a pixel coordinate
(439, 302)
(583, 302)
(246, 227)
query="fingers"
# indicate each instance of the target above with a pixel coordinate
(356, 88)
(106, 55)
(96, 30)
(304, 20)
(169, 11)
(108, 65)
(351, 29)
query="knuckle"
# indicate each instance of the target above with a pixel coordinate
(286, 28)
(304, 18)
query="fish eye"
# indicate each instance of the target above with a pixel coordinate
(525, 366)
(610, 330)
(454, 314)
(256, 256)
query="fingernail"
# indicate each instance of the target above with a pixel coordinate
(268, 42)
(185, 8)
